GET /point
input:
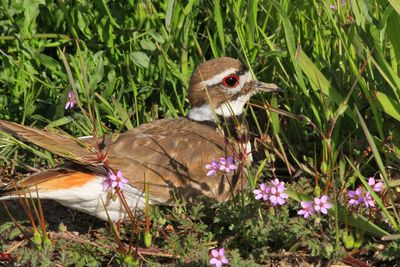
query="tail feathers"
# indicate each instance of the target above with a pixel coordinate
(47, 181)
(80, 151)
(80, 190)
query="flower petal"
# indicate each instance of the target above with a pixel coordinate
(214, 261)
(214, 253)
(211, 173)
(301, 212)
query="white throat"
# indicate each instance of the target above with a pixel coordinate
(227, 109)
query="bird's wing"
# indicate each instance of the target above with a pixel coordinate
(81, 152)
(170, 155)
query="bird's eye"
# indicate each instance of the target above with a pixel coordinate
(230, 81)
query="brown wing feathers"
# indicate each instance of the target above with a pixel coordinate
(168, 164)
(61, 145)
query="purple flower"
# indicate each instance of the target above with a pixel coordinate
(307, 210)
(361, 196)
(277, 195)
(368, 200)
(263, 192)
(218, 257)
(212, 168)
(377, 187)
(106, 184)
(226, 164)
(278, 184)
(322, 205)
(114, 181)
(356, 197)
(334, 8)
(71, 100)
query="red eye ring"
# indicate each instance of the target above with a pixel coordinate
(231, 81)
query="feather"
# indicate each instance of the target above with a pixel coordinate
(80, 151)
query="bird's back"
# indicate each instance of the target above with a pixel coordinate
(170, 155)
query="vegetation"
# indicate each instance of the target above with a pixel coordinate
(129, 62)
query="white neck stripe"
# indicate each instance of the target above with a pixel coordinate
(227, 109)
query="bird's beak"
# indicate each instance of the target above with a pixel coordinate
(265, 87)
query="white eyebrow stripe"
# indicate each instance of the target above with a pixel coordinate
(218, 78)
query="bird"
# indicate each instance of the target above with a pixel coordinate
(169, 155)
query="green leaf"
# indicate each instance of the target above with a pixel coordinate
(396, 5)
(391, 107)
(219, 22)
(275, 117)
(316, 77)
(290, 43)
(59, 122)
(125, 118)
(31, 11)
(393, 33)
(382, 169)
(157, 37)
(47, 61)
(147, 44)
(169, 13)
(140, 59)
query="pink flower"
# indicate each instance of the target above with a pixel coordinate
(278, 185)
(218, 257)
(322, 205)
(71, 100)
(362, 196)
(106, 184)
(368, 200)
(263, 192)
(212, 168)
(377, 187)
(356, 197)
(114, 181)
(307, 210)
(277, 195)
(226, 164)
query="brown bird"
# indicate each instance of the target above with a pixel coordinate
(169, 154)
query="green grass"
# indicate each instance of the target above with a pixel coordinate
(130, 61)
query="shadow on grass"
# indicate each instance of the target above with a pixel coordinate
(55, 214)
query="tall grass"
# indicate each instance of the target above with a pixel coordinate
(130, 61)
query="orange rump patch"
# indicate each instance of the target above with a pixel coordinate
(66, 181)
